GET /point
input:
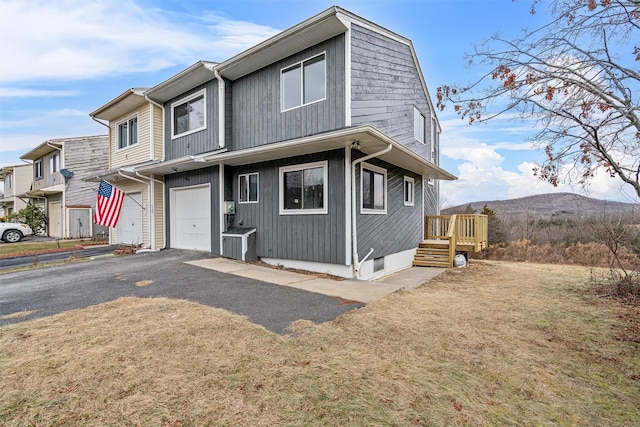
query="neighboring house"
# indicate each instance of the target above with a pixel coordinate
(17, 181)
(58, 168)
(315, 149)
(135, 129)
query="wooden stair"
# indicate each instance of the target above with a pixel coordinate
(433, 253)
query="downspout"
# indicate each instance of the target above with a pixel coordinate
(152, 218)
(221, 109)
(161, 107)
(354, 229)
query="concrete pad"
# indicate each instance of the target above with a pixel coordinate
(354, 290)
(412, 277)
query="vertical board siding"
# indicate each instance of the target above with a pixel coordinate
(385, 84)
(318, 237)
(136, 153)
(198, 142)
(256, 103)
(232, 247)
(80, 222)
(401, 227)
(196, 177)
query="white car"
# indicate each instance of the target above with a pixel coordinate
(12, 232)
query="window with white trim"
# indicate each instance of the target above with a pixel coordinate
(434, 141)
(304, 83)
(373, 189)
(54, 162)
(37, 169)
(128, 133)
(418, 125)
(248, 188)
(188, 115)
(409, 185)
(303, 189)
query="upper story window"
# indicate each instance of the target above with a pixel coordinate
(54, 162)
(9, 181)
(373, 189)
(303, 189)
(248, 188)
(418, 125)
(304, 82)
(188, 115)
(37, 169)
(409, 184)
(128, 133)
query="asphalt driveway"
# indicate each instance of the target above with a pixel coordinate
(52, 290)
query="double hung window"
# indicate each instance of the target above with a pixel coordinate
(248, 188)
(128, 133)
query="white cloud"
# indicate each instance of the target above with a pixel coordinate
(8, 92)
(76, 39)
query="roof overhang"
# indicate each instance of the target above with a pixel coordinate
(128, 101)
(367, 138)
(197, 74)
(41, 150)
(43, 192)
(310, 32)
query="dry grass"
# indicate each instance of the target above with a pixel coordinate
(33, 248)
(494, 344)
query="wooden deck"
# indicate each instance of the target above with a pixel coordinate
(447, 235)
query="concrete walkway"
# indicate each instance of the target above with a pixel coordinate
(353, 290)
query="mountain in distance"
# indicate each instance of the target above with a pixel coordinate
(547, 204)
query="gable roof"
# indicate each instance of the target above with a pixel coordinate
(128, 101)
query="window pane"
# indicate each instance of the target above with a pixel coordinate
(314, 79)
(180, 118)
(366, 189)
(292, 190)
(196, 113)
(291, 88)
(243, 188)
(313, 188)
(378, 191)
(253, 187)
(133, 131)
(418, 125)
(122, 135)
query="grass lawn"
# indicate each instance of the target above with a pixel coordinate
(494, 344)
(27, 247)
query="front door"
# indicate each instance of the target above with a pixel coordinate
(55, 219)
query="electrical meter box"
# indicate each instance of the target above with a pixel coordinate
(229, 208)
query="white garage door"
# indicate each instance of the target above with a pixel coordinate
(191, 218)
(130, 222)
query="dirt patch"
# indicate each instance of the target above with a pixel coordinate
(144, 283)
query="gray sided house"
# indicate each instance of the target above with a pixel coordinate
(316, 149)
(58, 168)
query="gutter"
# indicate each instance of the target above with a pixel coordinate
(354, 226)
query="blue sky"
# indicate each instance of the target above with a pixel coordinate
(63, 59)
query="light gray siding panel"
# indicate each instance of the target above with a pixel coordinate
(257, 116)
(197, 142)
(384, 75)
(80, 222)
(232, 247)
(318, 238)
(400, 229)
(85, 158)
(208, 175)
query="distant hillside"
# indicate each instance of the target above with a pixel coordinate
(546, 204)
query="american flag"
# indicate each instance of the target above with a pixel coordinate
(108, 205)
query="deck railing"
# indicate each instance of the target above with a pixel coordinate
(467, 230)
